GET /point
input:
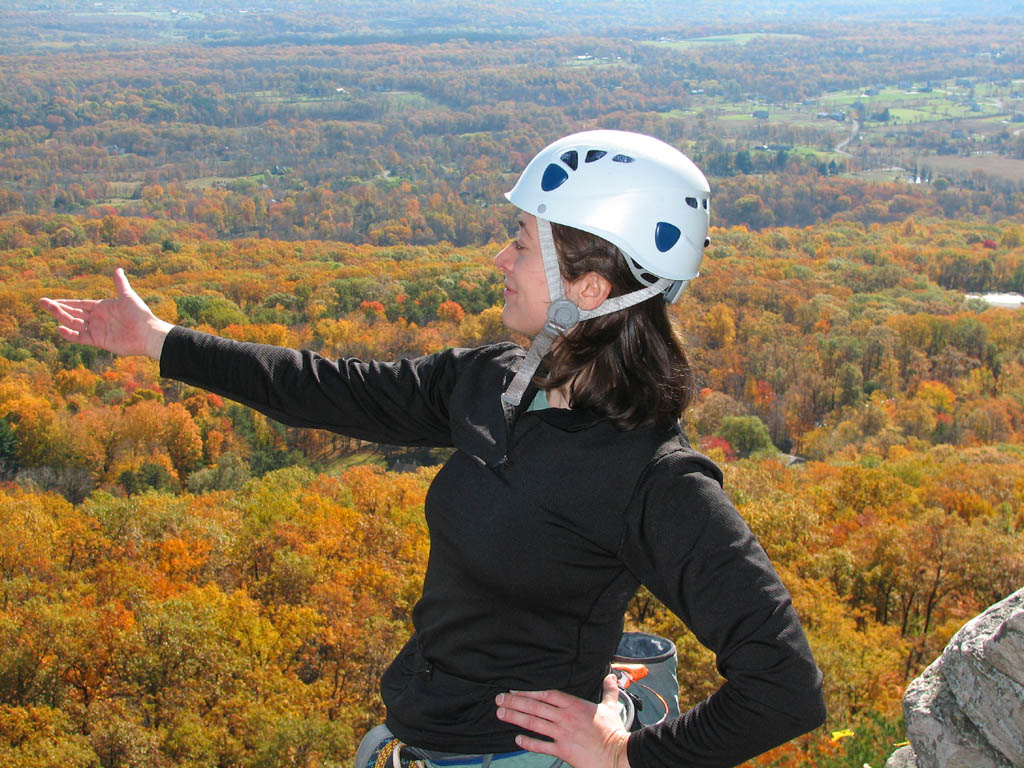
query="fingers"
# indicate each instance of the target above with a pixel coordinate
(610, 692)
(553, 697)
(534, 723)
(121, 284)
(67, 311)
(538, 745)
(72, 316)
(69, 334)
(68, 304)
(528, 711)
(549, 713)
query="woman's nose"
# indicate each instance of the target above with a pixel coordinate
(505, 258)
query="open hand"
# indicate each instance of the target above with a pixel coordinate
(583, 734)
(123, 325)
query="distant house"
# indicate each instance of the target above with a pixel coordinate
(761, 114)
(839, 117)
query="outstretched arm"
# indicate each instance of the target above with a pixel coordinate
(404, 403)
(123, 325)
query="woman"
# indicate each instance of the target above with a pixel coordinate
(571, 484)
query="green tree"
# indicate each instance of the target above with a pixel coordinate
(8, 450)
(746, 434)
(851, 384)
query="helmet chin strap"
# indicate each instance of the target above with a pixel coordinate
(563, 314)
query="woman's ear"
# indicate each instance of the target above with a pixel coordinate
(589, 291)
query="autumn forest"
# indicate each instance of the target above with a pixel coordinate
(187, 584)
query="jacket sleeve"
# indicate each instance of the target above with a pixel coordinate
(687, 543)
(400, 403)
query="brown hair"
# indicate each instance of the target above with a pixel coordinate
(629, 365)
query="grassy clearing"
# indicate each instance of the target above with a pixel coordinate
(948, 102)
(741, 38)
(935, 113)
(818, 155)
(885, 95)
(279, 97)
(992, 165)
(119, 192)
(880, 176)
(206, 182)
(354, 460)
(166, 16)
(598, 63)
(409, 101)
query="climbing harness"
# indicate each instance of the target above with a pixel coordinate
(639, 657)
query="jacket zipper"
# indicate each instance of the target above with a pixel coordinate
(509, 414)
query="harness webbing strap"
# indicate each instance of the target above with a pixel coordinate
(626, 300)
(542, 342)
(388, 751)
(549, 256)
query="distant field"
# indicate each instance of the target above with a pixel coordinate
(913, 106)
(409, 100)
(205, 182)
(993, 165)
(151, 15)
(881, 175)
(738, 39)
(598, 62)
(818, 154)
(277, 97)
(120, 191)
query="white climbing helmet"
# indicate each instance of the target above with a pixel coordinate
(637, 192)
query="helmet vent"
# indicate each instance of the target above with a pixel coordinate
(595, 154)
(571, 159)
(705, 203)
(666, 235)
(622, 159)
(692, 202)
(642, 274)
(554, 177)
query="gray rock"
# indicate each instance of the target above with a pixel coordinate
(967, 709)
(1005, 649)
(902, 758)
(941, 734)
(993, 701)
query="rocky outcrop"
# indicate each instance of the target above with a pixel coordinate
(967, 709)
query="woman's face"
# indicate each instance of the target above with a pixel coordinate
(526, 287)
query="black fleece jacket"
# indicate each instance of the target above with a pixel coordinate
(542, 526)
